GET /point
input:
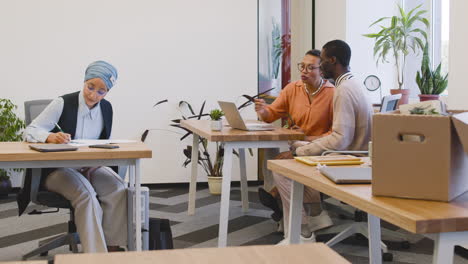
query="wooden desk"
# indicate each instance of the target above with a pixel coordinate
(19, 155)
(293, 254)
(448, 221)
(233, 139)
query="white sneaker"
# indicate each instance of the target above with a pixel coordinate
(303, 240)
(320, 221)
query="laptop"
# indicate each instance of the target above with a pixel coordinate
(343, 175)
(52, 147)
(235, 120)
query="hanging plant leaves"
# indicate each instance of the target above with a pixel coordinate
(182, 103)
(201, 110)
(197, 116)
(160, 102)
(186, 135)
(144, 135)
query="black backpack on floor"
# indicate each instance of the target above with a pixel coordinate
(160, 234)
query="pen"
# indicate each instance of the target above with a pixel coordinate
(59, 128)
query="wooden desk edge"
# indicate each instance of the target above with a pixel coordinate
(328, 255)
(405, 222)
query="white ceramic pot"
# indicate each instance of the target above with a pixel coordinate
(214, 184)
(216, 125)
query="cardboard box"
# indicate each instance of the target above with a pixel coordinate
(420, 156)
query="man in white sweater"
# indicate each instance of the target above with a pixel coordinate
(351, 130)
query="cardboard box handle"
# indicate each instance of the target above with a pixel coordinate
(411, 137)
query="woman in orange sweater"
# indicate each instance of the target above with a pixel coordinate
(309, 103)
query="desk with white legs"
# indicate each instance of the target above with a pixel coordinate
(446, 223)
(19, 155)
(232, 139)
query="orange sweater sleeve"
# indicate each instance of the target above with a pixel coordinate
(280, 106)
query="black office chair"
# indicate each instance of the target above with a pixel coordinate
(47, 198)
(359, 226)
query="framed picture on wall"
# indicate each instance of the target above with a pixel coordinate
(274, 45)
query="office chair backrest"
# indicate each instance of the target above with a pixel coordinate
(33, 108)
(390, 103)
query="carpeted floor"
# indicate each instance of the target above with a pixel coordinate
(19, 235)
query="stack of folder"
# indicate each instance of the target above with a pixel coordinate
(330, 160)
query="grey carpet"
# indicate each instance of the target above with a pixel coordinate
(19, 235)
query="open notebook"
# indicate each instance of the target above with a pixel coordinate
(330, 160)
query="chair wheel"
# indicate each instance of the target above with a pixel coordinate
(44, 254)
(387, 256)
(405, 245)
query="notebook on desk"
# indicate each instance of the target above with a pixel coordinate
(343, 175)
(52, 147)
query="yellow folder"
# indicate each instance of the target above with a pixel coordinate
(330, 160)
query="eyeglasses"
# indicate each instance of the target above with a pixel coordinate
(308, 68)
(100, 92)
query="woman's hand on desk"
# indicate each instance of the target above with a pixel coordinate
(58, 138)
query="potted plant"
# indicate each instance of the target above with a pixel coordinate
(399, 38)
(10, 130)
(213, 168)
(216, 122)
(431, 83)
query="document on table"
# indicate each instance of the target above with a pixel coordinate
(88, 142)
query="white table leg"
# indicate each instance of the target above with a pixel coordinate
(138, 204)
(243, 178)
(375, 254)
(443, 249)
(131, 220)
(225, 194)
(295, 214)
(193, 178)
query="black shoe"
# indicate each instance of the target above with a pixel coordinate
(269, 201)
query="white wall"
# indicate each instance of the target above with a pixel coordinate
(458, 93)
(330, 21)
(301, 33)
(179, 50)
(348, 21)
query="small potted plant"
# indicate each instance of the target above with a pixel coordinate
(216, 122)
(431, 83)
(10, 130)
(398, 39)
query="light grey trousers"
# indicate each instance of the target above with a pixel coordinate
(100, 205)
(284, 184)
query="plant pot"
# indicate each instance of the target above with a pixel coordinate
(404, 95)
(5, 187)
(428, 97)
(214, 184)
(216, 125)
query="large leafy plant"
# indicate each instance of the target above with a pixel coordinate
(429, 81)
(212, 167)
(10, 127)
(403, 35)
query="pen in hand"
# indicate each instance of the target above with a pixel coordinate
(68, 138)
